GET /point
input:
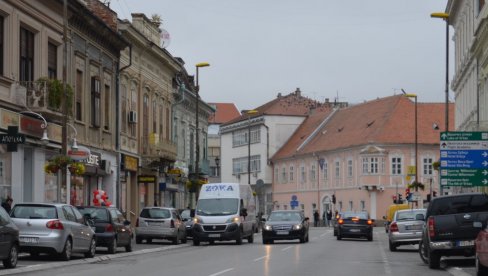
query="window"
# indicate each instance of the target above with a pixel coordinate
(239, 137)
(373, 165)
(68, 213)
(161, 123)
(52, 60)
(26, 55)
(1, 45)
(396, 165)
(133, 106)
(124, 105)
(107, 108)
(168, 118)
(291, 173)
(283, 175)
(79, 96)
(363, 205)
(325, 170)
(302, 174)
(351, 205)
(427, 166)
(145, 123)
(276, 174)
(337, 169)
(155, 118)
(95, 102)
(312, 172)
(349, 168)
(239, 165)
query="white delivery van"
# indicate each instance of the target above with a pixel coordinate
(224, 211)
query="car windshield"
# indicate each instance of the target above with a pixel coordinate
(361, 215)
(185, 214)
(408, 214)
(98, 214)
(217, 206)
(34, 212)
(156, 213)
(460, 204)
(284, 216)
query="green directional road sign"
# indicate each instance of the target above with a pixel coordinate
(464, 159)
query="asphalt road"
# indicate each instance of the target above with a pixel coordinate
(323, 255)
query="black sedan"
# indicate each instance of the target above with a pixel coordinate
(355, 225)
(112, 230)
(9, 240)
(285, 225)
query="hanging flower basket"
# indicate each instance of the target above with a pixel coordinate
(416, 185)
(436, 165)
(76, 168)
(56, 163)
(51, 168)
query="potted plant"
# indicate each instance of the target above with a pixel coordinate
(416, 185)
(56, 163)
(55, 93)
(76, 168)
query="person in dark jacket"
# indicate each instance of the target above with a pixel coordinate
(316, 218)
(7, 204)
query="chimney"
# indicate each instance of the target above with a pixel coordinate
(108, 16)
(298, 92)
(279, 95)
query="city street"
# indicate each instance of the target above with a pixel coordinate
(323, 255)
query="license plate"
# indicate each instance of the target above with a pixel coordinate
(413, 227)
(282, 232)
(354, 230)
(465, 243)
(154, 223)
(214, 235)
(29, 240)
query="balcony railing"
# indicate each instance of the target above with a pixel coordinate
(153, 146)
(38, 97)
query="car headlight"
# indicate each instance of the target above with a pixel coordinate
(297, 227)
(268, 227)
(234, 220)
(197, 220)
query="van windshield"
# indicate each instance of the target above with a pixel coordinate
(217, 206)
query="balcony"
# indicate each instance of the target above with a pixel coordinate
(42, 96)
(154, 147)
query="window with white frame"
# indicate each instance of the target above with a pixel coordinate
(373, 165)
(396, 165)
(312, 172)
(276, 175)
(351, 205)
(325, 170)
(239, 165)
(349, 168)
(363, 205)
(337, 169)
(240, 137)
(427, 165)
(283, 175)
(302, 174)
(291, 173)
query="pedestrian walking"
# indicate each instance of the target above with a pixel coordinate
(316, 218)
(324, 218)
(7, 204)
(329, 217)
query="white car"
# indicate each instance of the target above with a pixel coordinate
(406, 227)
(160, 223)
(53, 228)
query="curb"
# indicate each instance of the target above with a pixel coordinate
(95, 259)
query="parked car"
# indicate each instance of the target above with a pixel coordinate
(53, 228)
(285, 225)
(406, 227)
(481, 244)
(9, 240)
(187, 217)
(355, 225)
(390, 212)
(160, 223)
(452, 225)
(112, 230)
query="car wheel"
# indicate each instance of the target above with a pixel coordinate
(434, 260)
(148, 240)
(239, 238)
(66, 254)
(112, 247)
(128, 247)
(370, 237)
(138, 240)
(480, 269)
(93, 248)
(423, 252)
(339, 237)
(302, 239)
(196, 242)
(393, 246)
(176, 240)
(12, 258)
(335, 233)
(250, 239)
(185, 238)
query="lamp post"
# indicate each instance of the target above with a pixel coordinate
(217, 163)
(409, 95)
(197, 148)
(249, 113)
(445, 16)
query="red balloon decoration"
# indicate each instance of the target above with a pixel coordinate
(100, 198)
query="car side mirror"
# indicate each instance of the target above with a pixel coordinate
(306, 219)
(126, 222)
(419, 217)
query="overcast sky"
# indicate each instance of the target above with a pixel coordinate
(355, 50)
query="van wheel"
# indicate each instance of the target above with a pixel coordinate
(250, 239)
(196, 242)
(239, 238)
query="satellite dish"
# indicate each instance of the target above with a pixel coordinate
(165, 38)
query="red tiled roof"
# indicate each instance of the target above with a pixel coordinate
(389, 120)
(224, 112)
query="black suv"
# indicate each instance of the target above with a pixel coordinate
(452, 224)
(9, 240)
(112, 230)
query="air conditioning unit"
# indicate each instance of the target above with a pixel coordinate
(106, 166)
(132, 117)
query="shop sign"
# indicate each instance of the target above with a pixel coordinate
(146, 179)
(130, 163)
(79, 154)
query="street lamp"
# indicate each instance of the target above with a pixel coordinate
(445, 16)
(74, 146)
(217, 164)
(409, 95)
(249, 113)
(45, 138)
(197, 148)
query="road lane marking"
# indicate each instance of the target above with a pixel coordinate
(286, 248)
(222, 272)
(260, 258)
(457, 271)
(383, 256)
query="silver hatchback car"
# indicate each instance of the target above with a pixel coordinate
(53, 228)
(406, 227)
(160, 223)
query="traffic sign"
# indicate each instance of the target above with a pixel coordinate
(464, 159)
